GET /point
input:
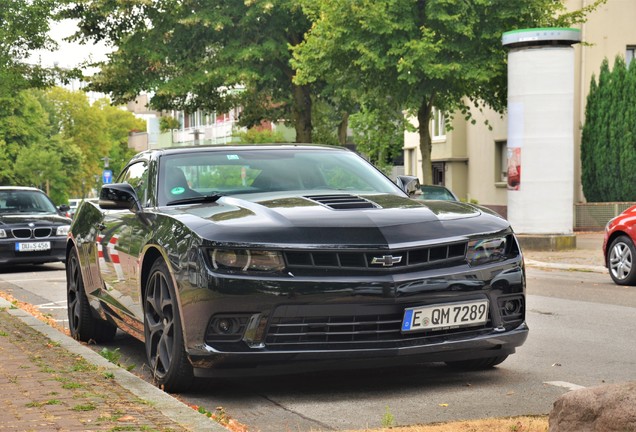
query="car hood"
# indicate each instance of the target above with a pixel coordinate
(20, 219)
(347, 220)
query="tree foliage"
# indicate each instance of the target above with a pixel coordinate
(420, 53)
(608, 142)
(55, 139)
(197, 55)
(24, 26)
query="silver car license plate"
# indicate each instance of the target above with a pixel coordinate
(445, 316)
(32, 246)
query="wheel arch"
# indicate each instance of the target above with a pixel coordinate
(610, 240)
(150, 255)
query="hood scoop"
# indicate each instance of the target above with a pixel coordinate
(342, 202)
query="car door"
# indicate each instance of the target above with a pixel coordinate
(118, 247)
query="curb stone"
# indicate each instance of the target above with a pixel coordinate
(563, 266)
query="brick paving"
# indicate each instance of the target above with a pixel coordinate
(44, 387)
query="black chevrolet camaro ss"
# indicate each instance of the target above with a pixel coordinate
(264, 257)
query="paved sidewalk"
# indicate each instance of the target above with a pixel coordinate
(588, 255)
(48, 381)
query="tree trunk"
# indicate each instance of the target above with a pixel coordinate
(302, 113)
(342, 128)
(424, 119)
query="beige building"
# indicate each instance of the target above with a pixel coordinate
(471, 160)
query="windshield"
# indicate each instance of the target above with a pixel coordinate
(25, 201)
(236, 171)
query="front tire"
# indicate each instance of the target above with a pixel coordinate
(82, 324)
(620, 261)
(163, 333)
(477, 364)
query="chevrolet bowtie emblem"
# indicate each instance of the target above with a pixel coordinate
(386, 260)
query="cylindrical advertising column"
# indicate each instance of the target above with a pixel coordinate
(541, 130)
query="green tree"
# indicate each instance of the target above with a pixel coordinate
(202, 55)
(420, 53)
(24, 26)
(119, 125)
(23, 123)
(379, 133)
(608, 144)
(90, 133)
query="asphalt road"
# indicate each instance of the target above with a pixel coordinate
(581, 334)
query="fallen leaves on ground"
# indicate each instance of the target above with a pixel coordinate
(511, 424)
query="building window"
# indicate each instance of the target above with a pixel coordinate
(501, 161)
(438, 173)
(630, 51)
(438, 125)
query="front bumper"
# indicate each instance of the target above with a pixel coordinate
(340, 321)
(485, 346)
(9, 254)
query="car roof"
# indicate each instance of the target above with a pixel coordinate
(240, 147)
(21, 188)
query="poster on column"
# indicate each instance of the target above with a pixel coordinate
(514, 168)
(515, 143)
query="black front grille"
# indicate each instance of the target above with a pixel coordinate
(27, 233)
(378, 259)
(304, 327)
(22, 233)
(42, 232)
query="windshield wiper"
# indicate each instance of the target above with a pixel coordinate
(196, 199)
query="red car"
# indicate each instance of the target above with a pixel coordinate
(618, 247)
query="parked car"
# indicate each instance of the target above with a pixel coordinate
(278, 256)
(618, 247)
(32, 229)
(436, 192)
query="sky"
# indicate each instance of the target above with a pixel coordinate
(68, 54)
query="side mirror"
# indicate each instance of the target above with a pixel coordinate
(409, 184)
(119, 196)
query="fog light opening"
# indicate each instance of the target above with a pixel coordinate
(225, 326)
(511, 307)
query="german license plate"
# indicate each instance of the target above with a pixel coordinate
(447, 316)
(32, 246)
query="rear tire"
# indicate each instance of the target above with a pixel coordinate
(477, 364)
(163, 333)
(82, 324)
(620, 261)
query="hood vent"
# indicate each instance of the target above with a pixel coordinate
(343, 202)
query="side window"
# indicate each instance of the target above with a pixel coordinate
(136, 175)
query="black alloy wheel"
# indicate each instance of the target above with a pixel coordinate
(620, 261)
(163, 332)
(82, 324)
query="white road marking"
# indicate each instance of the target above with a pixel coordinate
(567, 385)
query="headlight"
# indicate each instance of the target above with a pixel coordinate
(244, 259)
(486, 250)
(62, 230)
(3, 233)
